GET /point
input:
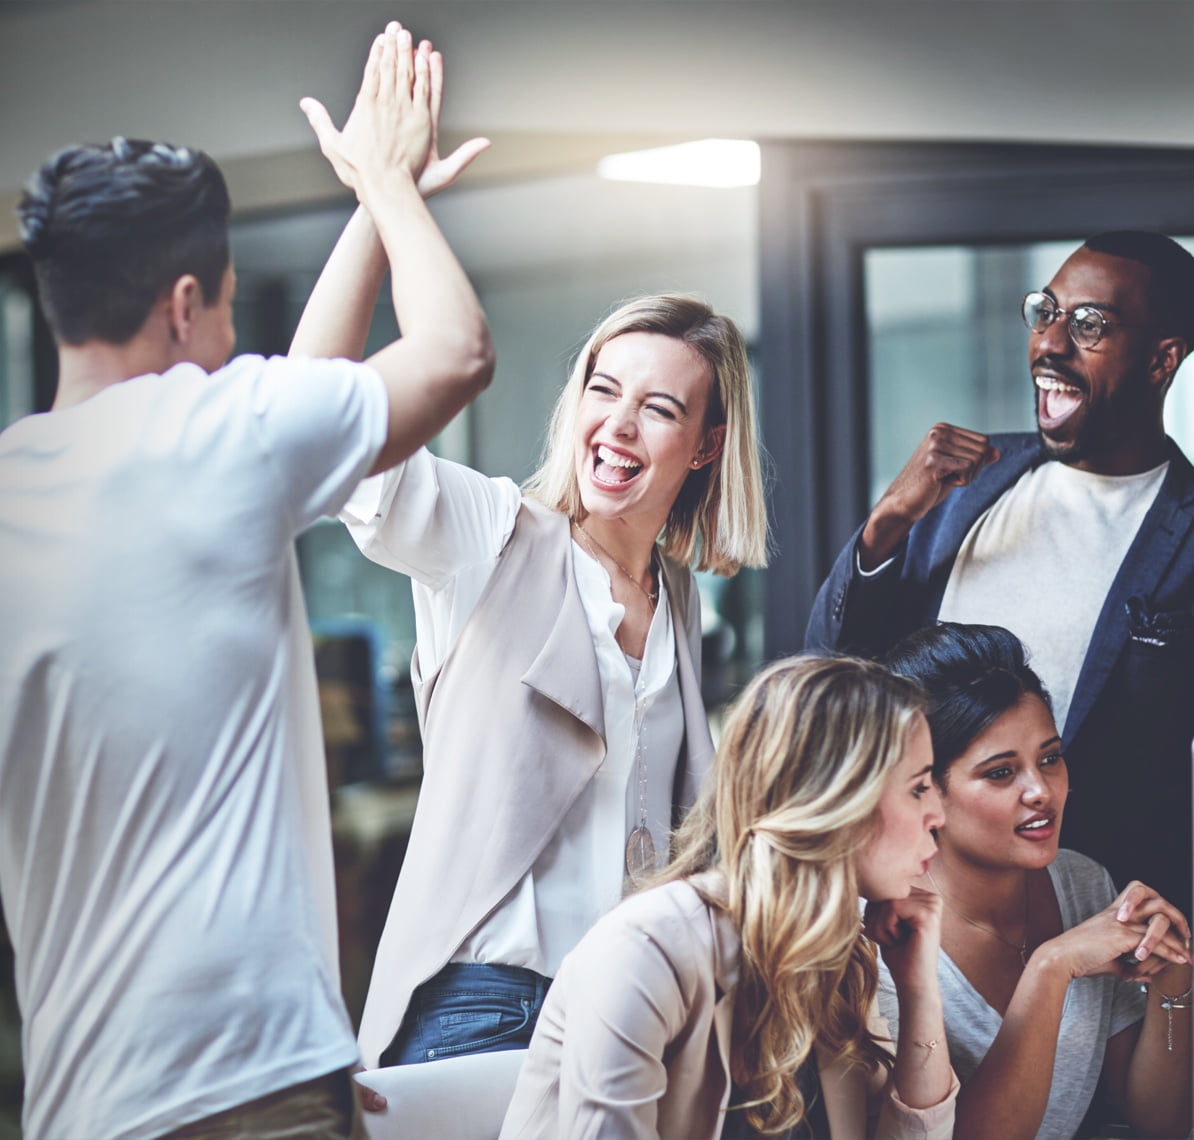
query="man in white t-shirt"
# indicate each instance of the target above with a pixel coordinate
(165, 855)
(1080, 539)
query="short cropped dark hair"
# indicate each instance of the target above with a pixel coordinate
(1171, 267)
(110, 227)
(972, 673)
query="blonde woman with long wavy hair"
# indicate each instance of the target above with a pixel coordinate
(736, 995)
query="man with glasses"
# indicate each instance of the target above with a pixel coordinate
(1079, 538)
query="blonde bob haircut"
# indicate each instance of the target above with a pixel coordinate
(719, 518)
(802, 763)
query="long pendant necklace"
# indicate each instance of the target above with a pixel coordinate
(1021, 948)
(640, 846)
(593, 546)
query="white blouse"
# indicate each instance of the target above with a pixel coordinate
(445, 525)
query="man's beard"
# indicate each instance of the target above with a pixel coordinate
(1103, 425)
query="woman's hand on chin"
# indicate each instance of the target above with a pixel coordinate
(908, 932)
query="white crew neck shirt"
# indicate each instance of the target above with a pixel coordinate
(1041, 562)
(444, 525)
(165, 844)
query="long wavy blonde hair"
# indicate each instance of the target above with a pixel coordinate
(719, 519)
(800, 769)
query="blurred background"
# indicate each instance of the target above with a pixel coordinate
(904, 171)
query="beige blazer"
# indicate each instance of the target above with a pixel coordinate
(633, 1040)
(512, 724)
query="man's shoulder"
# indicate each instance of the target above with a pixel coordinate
(250, 366)
(1181, 470)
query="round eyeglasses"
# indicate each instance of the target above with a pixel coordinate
(1086, 323)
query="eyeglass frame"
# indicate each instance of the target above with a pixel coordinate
(1073, 314)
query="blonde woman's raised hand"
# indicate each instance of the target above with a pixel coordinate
(441, 172)
(389, 129)
(908, 933)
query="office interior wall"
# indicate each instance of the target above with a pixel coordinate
(227, 74)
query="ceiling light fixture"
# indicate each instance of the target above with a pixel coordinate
(709, 162)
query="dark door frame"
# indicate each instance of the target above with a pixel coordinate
(822, 205)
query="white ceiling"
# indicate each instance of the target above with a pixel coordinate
(227, 74)
(556, 83)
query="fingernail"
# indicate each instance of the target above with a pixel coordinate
(1122, 914)
(1141, 953)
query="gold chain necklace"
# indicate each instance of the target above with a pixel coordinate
(1021, 948)
(590, 542)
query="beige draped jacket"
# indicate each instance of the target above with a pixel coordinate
(512, 725)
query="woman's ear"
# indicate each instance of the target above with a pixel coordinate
(715, 439)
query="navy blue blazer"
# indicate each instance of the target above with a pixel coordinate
(1130, 727)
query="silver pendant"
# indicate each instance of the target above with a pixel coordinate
(640, 852)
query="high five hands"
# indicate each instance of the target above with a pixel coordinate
(946, 458)
(394, 122)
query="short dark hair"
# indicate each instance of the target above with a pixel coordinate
(1171, 267)
(110, 227)
(972, 673)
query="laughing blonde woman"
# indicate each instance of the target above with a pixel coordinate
(557, 668)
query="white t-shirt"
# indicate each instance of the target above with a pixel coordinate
(1095, 1009)
(1041, 562)
(165, 855)
(444, 525)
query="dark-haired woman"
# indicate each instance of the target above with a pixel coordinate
(1042, 962)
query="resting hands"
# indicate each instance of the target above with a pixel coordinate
(389, 130)
(908, 933)
(1135, 937)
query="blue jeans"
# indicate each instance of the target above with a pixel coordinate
(469, 1008)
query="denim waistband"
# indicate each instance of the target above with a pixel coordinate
(469, 1007)
(477, 975)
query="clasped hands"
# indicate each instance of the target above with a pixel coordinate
(1136, 937)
